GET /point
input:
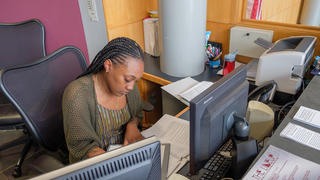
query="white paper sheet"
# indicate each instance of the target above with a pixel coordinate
(275, 163)
(308, 116)
(194, 91)
(175, 131)
(180, 86)
(114, 146)
(301, 135)
(176, 176)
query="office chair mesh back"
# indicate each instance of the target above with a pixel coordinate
(21, 43)
(36, 90)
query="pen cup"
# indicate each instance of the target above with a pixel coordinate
(214, 52)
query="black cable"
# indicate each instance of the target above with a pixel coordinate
(282, 109)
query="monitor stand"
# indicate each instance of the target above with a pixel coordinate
(243, 153)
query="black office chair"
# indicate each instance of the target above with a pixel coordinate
(20, 43)
(36, 91)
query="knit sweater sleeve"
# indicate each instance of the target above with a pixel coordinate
(78, 115)
(135, 103)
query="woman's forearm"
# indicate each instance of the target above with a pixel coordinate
(132, 133)
(95, 152)
(134, 121)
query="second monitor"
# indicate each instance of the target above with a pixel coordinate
(212, 113)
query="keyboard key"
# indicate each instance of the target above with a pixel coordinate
(218, 165)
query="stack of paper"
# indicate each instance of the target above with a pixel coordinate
(186, 89)
(174, 131)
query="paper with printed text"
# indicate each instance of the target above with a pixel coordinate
(276, 163)
(301, 135)
(175, 131)
(308, 116)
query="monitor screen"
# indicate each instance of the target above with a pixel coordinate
(140, 160)
(209, 114)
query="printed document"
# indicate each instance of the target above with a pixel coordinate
(308, 116)
(275, 163)
(186, 89)
(301, 135)
(175, 131)
(191, 93)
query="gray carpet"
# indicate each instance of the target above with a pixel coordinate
(37, 161)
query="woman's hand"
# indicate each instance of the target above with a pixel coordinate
(132, 133)
(95, 152)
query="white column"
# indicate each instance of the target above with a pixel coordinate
(310, 14)
(182, 36)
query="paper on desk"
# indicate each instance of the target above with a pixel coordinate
(308, 116)
(180, 86)
(176, 176)
(191, 93)
(275, 163)
(175, 164)
(114, 146)
(301, 135)
(175, 131)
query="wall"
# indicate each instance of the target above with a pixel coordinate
(285, 11)
(124, 18)
(61, 18)
(95, 31)
(229, 13)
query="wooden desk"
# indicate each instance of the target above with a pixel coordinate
(153, 79)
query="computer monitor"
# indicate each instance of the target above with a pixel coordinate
(140, 160)
(212, 113)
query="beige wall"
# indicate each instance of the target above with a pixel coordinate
(220, 22)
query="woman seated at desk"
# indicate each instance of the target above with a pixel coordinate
(103, 105)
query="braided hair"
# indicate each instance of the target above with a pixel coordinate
(116, 50)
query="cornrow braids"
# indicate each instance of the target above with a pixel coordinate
(116, 50)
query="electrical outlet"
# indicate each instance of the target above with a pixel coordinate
(242, 39)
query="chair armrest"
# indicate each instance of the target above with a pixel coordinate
(147, 106)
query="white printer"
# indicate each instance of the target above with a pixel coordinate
(285, 62)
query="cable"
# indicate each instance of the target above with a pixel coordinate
(282, 111)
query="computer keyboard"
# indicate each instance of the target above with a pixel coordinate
(218, 165)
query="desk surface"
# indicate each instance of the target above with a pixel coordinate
(153, 73)
(309, 98)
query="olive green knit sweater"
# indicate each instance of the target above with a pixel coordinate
(80, 113)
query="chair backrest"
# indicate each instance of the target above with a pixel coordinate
(21, 42)
(36, 90)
